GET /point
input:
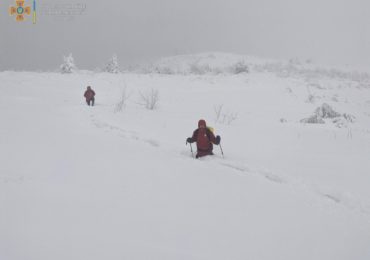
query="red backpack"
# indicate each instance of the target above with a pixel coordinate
(203, 139)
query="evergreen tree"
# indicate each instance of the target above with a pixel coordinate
(68, 65)
(112, 66)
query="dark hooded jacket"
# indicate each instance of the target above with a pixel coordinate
(204, 139)
(89, 94)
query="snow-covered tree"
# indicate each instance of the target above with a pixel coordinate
(68, 65)
(112, 66)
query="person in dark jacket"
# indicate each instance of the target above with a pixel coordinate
(90, 96)
(204, 138)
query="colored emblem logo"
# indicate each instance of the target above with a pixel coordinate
(20, 10)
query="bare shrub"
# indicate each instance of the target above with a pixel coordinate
(224, 117)
(149, 99)
(350, 118)
(240, 67)
(125, 95)
(229, 118)
(218, 110)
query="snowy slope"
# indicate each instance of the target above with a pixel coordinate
(80, 182)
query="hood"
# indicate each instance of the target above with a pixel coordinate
(202, 122)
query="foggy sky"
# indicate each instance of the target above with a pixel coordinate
(326, 31)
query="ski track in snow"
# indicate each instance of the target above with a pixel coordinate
(341, 198)
(125, 133)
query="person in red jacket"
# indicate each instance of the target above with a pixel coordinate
(204, 139)
(90, 96)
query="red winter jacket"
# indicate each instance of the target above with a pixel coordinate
(89, 94)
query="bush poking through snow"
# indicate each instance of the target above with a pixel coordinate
(68, 65)
(240, 67)
(222, 117)
(112, 65)
(149, 99)
(349, 118)
(283, 120)
(344, 120)
(125, 95)
(327, 112)
(314, 119)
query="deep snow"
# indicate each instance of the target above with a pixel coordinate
(79, 182)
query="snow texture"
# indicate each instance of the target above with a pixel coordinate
(79, 182)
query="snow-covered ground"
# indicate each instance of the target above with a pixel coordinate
(79, 182)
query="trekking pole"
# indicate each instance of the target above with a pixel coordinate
(191, 149)
(222, 152)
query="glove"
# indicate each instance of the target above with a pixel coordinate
(189, 140)
(218, 139)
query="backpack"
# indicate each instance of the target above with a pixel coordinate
(203, 139)
(211, 129)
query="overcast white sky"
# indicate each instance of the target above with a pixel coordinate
(327, 31)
